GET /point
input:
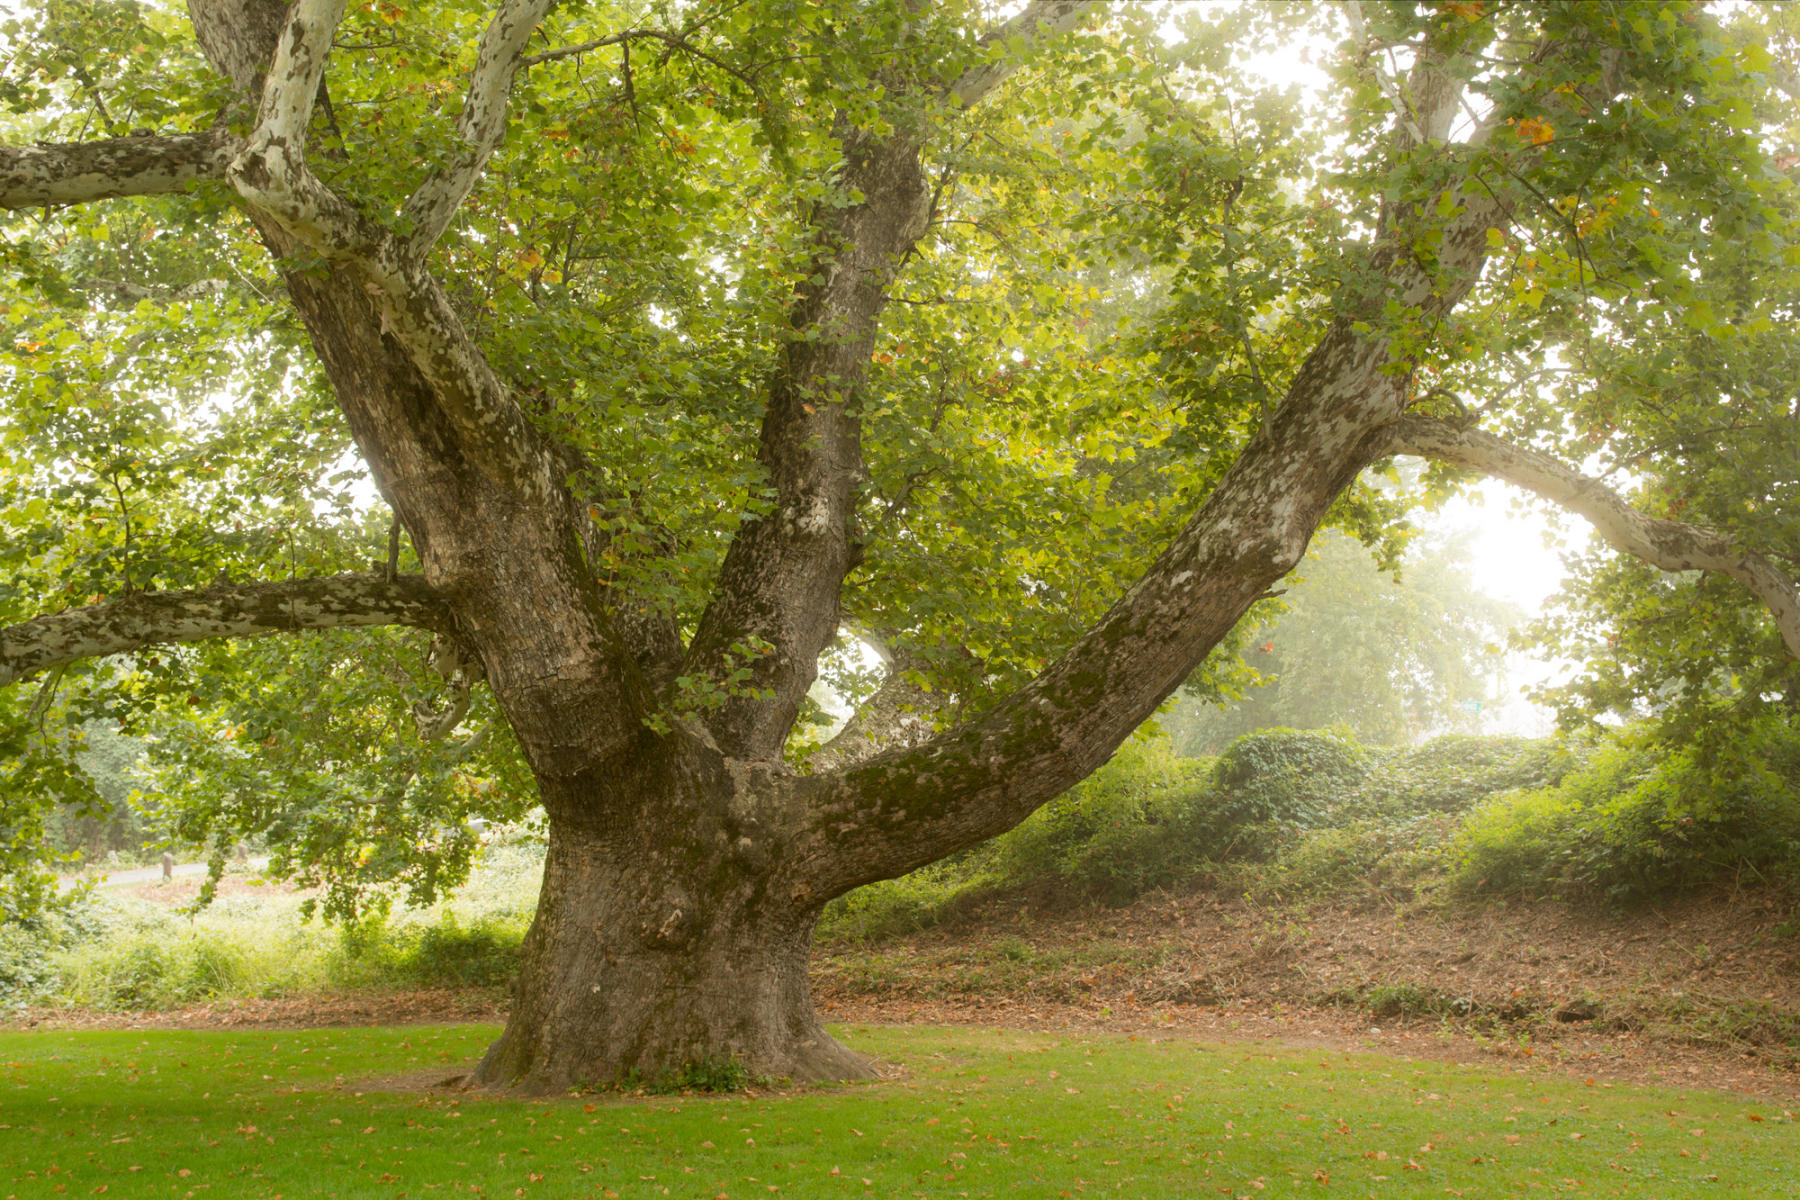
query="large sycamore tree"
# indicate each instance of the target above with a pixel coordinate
(1028, 345)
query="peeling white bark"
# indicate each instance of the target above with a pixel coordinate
(1670, 545)
(1041, 19)
(480, 126)
(253, 610)
(272, 176)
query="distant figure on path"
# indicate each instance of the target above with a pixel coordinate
(168, 866)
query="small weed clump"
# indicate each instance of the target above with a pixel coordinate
(712, 1076)
(1401, 999)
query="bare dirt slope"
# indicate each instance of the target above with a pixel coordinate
(1704, 991)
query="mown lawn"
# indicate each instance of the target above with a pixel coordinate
(979, 1113)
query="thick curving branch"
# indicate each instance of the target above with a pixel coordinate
(1670, 545)
(901, 809)
(250, 610)
(139, 165)
(896, 811)
(479, 126)
(781, 577)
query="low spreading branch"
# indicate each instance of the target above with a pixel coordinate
(1670, 545)
(137, 165)
(200, 614)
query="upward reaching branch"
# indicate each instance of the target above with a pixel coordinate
(480, 125)
(780, 580)
(1670, 545)
(273, 177)
(1040, 20)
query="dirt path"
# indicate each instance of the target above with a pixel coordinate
(1626, 1057)
(133, 876)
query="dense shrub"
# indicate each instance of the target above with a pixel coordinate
(1640, 819)
(1457, 772)
(1395, 834)
(1126, 829)
(26, 974)
(1391, 856)
(1268, 786)
(443, 953)
(1147, 819)
(31, 944)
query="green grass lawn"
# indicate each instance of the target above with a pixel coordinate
(979, 1113)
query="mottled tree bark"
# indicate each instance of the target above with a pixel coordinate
(663, 939)
(252, 610)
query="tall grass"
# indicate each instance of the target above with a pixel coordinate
(116, 952)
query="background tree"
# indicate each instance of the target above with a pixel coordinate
(1389, 654)
(678, 343)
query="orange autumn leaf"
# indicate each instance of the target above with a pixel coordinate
(1532, 130)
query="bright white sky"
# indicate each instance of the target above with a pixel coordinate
(1516, 555)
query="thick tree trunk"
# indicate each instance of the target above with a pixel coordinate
(661, 943)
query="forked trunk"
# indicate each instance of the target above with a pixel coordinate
(654, 951)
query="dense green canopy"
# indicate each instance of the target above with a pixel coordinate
(1121, 274)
